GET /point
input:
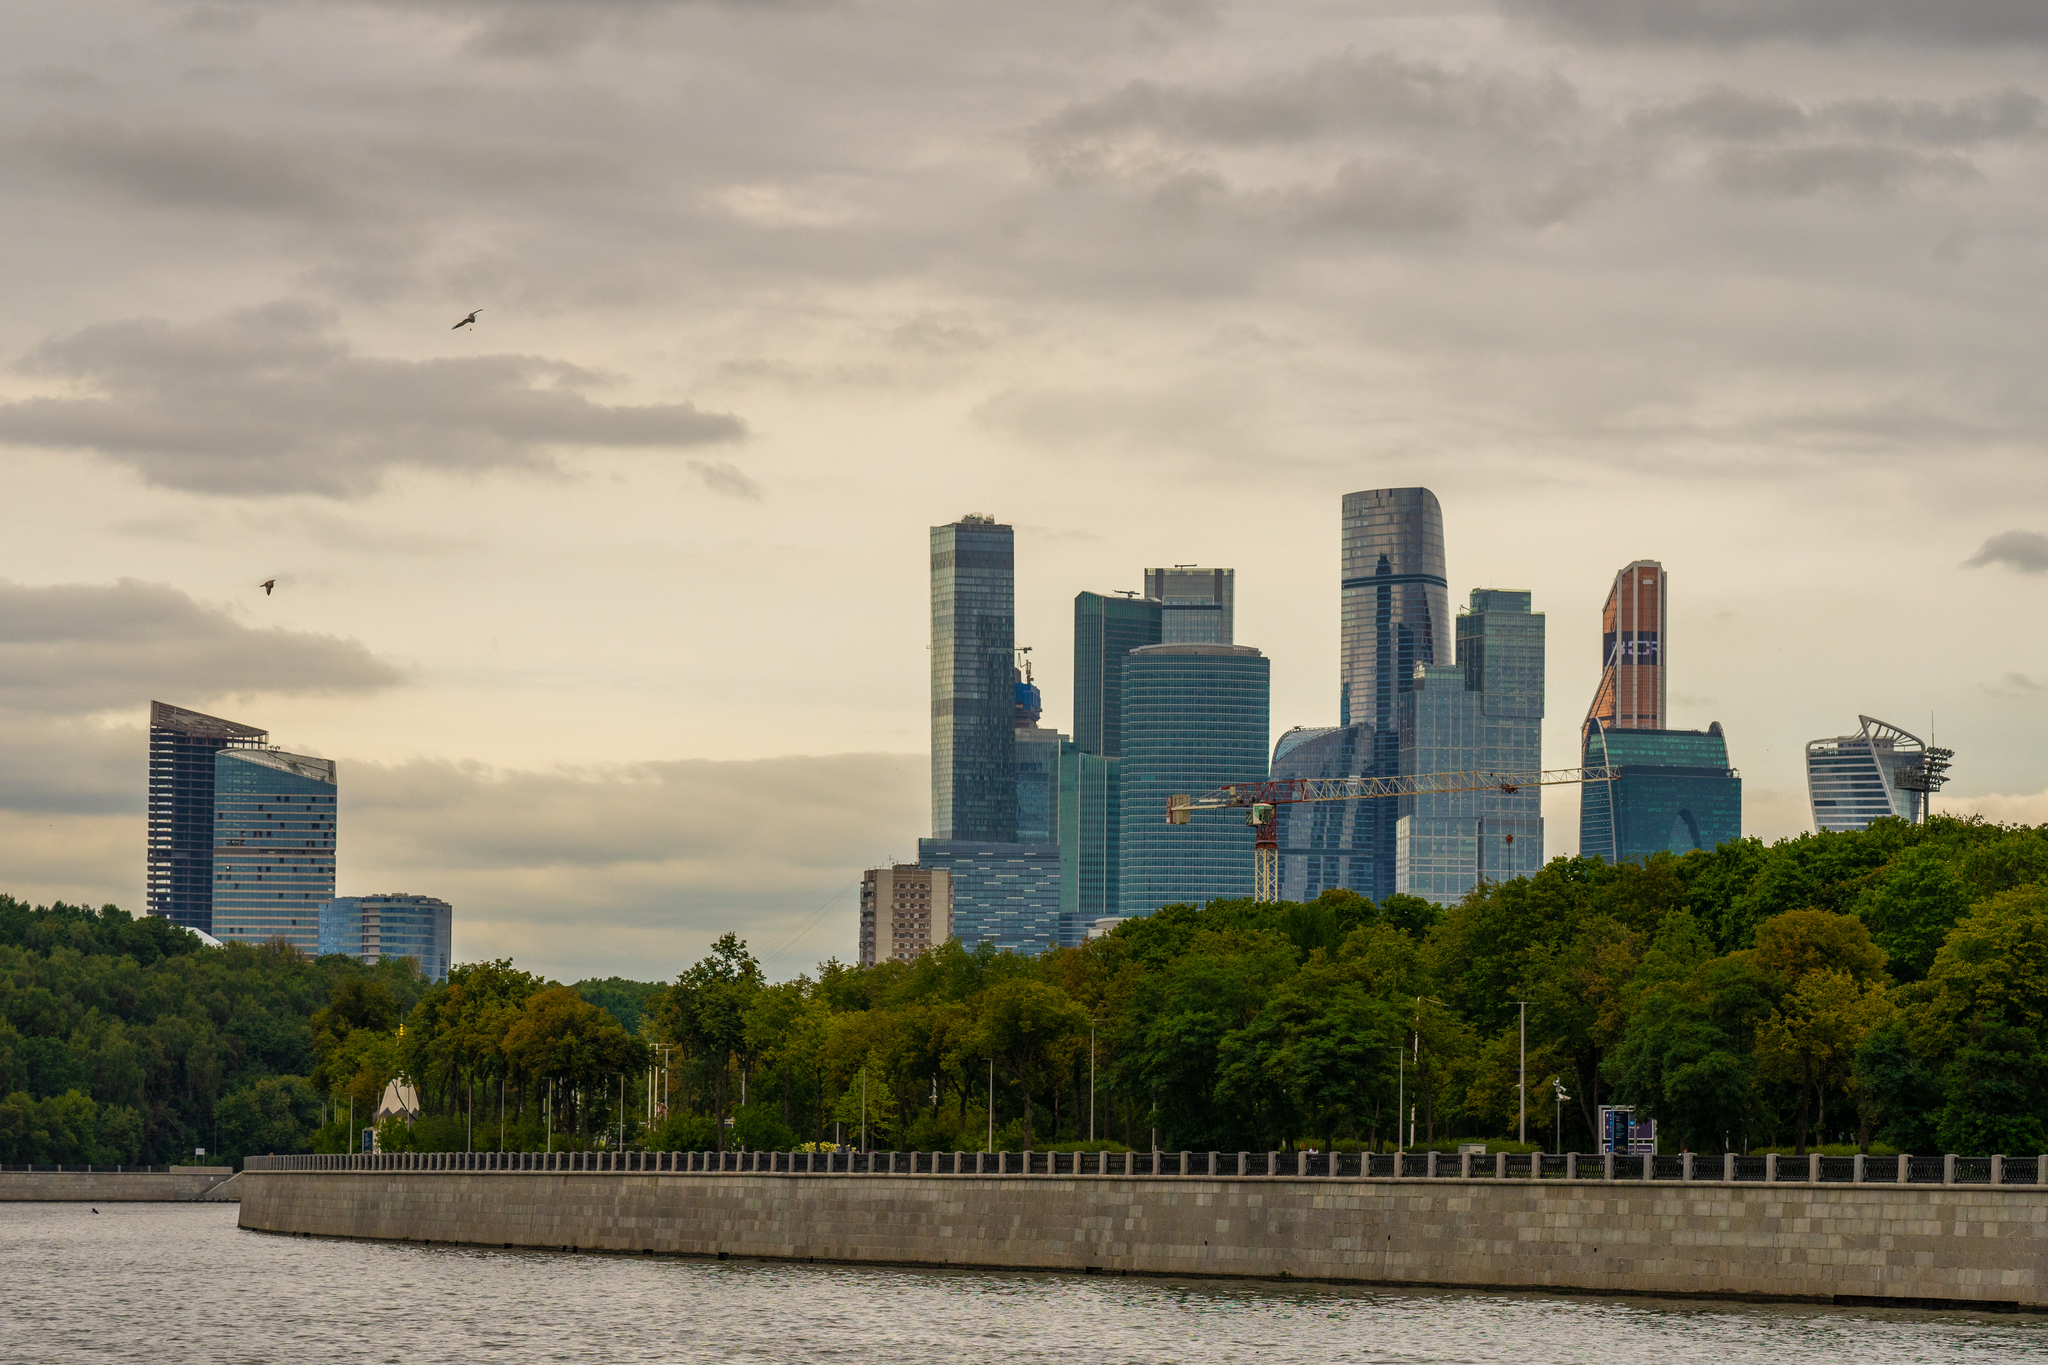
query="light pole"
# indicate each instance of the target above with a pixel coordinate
(1091, 1080)
(1558, 1085)
(1522, 1081)
(863, 1109)
(991, 1104)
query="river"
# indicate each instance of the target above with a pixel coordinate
(176, 1283)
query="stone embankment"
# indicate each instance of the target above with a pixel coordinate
(113, 1184)
(1913, 1241)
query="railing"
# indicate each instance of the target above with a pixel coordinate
(107, 1170)
(1683, 1168)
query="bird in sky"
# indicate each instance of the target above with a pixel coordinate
(469, 321)
(268, 585)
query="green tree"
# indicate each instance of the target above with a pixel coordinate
(1910, 907)
(1029, 1029)
(1997, 1092)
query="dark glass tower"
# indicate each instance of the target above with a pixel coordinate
(1105, 630)
(1320, 841)
(179, 873)
(1396, 612)
(974, 783)
(1676, 793)
(1194, 718)
(273, 846)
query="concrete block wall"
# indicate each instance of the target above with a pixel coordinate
(112, 1187)
(1922, 1244)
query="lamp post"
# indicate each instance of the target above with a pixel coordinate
(1522, 1079)
(1558, 1085)
(1091, 1080)
(991, 1104)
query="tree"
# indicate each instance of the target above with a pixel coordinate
(1911, 906)
(1027, 1027)
(705, 1013)
(1812, 1037)
(1997, 1091)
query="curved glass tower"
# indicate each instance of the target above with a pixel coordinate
(1396, 611)
(1853, 779)
(1319, 840)
(1194, 718)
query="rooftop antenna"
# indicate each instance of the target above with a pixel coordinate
(1127, 592)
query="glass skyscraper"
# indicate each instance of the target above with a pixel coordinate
(1105, 630)
(1853, 779)
(373, 928)
(1396, 610)
(974, 788)
(1676, 793)
(1631, 694)
(1320, 843)
(1197, 606)
(1194, 718)
(179, 870)
(1482, 714)
(273, 846)
(1006, 893)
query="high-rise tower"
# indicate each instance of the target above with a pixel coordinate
(179, 871)
(1396, 614)
(1631, 691)
(974, 787)
(273, 846)
(1197, 605)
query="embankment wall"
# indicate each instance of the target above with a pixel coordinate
(1924, 1245)
(111, 1187)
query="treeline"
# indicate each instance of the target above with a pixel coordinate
(1886, 989)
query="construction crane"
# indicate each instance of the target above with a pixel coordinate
(1261, 802)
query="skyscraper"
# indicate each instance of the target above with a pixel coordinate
(1482, 714)
(1631, 692)
(1194, 718)
(179, 870)
(1676, 793)
(273, 846)
(1197, 605)
(1853, 779)
(904, 909)
(1320, 844)
(1107, 628)
(974, 790)
(1396, 611)
(1038, 766)
(373, 928)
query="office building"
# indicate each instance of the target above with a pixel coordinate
(371, 929)
(1194, 717)
(1196, 605)
(1853, 779)
(1007, 894)
(1396, 612)
(1106, 628)
(1676, 793)
(904, 909)
(179, 867)
(1037, 766)
(1481, 714)
(1324, 845)
(1090, 816)
(974, 789)
(273, 846)
(1633, 636)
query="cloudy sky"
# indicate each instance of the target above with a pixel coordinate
(613, 608)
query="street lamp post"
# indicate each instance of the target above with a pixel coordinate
(1522, 1081)
(1091, 1081)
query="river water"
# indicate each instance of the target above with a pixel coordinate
(176, 1283)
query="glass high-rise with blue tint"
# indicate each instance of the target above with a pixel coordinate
(1006, 894)
(179, 874)
(1194, 718)
(373, 928)
(273, 846)
(1321, 848)
(1852, 780)
(1396, 615)
(1107, 627)
(974, 785)
(1197, 606)
(1676, 792)
(1482, 714)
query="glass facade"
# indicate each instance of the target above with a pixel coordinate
(1038, 785)
(372, 928)
(1194, 718)
(1396, 607)
(1090, 826)
(1324, 844)
(1482, 714)
(273, 846)
(1853, 779)
(974, 788)
(179, 867)
(1105, 630)
(1197, 606)
(1006, 893)
(1676, 793)
(1633, 637)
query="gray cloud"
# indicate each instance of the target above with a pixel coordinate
(80, 649)
(1389, 195)
(1724, 113)
(1959, 22)
(269, 401)
(2026, 551)
(1852, 167)
(189, 166)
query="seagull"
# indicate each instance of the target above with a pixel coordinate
(469, 321)
(268, 585)
(95, 1210)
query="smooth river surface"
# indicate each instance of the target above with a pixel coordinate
(171, 1283)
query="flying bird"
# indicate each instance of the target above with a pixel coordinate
(469, 321)
(268, 585)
